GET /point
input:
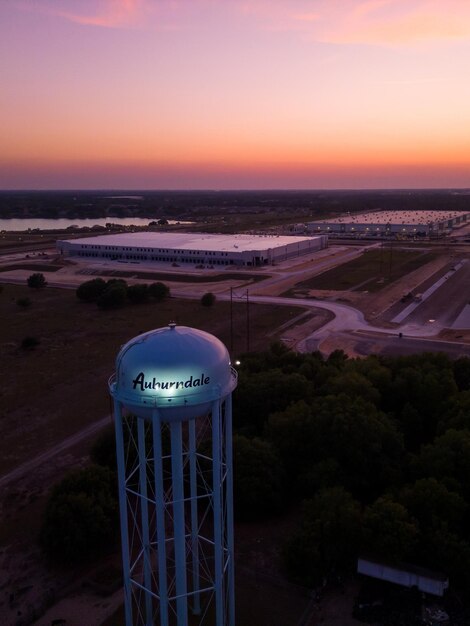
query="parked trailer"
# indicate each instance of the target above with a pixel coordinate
(405, 575)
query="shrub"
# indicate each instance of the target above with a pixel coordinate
(208, 299)
(159, 291)
(29, 343)
(112, 297)
(37, 281)
(23, 302)
(91, 290)
(138, 293)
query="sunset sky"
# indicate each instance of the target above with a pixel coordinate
(234, 94)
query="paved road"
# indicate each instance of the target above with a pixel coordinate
(445, 303)
(392, 345)
(442, 300)
(35, 462)
(350, 320)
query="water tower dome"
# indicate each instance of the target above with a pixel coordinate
(171, 367)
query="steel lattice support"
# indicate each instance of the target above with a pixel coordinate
(175, 484)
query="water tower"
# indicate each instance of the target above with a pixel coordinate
(173, 415)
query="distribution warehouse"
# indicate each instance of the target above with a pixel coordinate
(195, 248)
(409, 223)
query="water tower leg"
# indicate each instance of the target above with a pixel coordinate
(194, 516)
(229, 521)
(121, 468)
(145, 521)
(179, 522)
(160, 517)
(217, 504)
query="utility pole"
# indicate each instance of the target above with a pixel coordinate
(231, 321)
(247, 322)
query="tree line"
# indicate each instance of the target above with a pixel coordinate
(373, 454)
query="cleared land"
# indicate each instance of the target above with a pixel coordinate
(372, 271)
(52, 391)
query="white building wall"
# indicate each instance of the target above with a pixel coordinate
(136, 254)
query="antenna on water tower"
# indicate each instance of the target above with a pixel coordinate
(173, 414)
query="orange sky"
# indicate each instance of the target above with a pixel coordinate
(234, 94)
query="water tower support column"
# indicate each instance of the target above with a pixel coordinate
(218, 515)
(121, 467)
(160, 517)
(179, 522)
(229, 502)
(194, 515)
(145, 520)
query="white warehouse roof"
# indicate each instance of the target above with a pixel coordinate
(192, 241)
(194, 248)
(395, 217)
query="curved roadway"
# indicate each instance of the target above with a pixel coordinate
(347, 318)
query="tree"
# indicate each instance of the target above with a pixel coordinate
(462, 373)
(423, 382)
(338, 358)
(262, 393)
(447, 460)
(360, 445)
(112, 297)
(208, 299)
(158, 291)
(258, 479)
(91, 290)
(456, 413)
(432, 505)
(36, 281)
(81, 517)
(447, 552)
(138, 293)
(354, 385)
(326, 543)
(389, 531)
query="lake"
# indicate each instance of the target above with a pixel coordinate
(62, 223)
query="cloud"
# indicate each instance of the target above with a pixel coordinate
(102, 13)
(382, 22)
(397, 22)
(114, 14)
(374, 22)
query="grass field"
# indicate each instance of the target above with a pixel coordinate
(59, 387)
(372, 271)
(33, 267)
(176, 277)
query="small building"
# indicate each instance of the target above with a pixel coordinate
(193, 248)
(404, 574)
